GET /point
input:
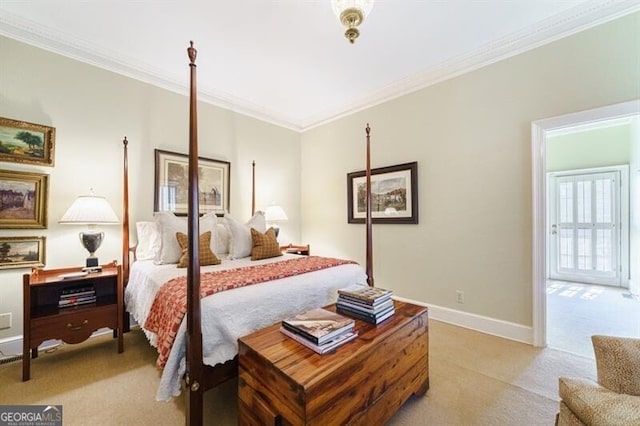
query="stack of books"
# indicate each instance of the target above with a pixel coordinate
(370, 304)
(78, 295)
(320, 329)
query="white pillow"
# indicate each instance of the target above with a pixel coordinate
(241, 243)
(148, 240)
(224, 238)
(169, 224)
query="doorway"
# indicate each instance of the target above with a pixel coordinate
(540, 131)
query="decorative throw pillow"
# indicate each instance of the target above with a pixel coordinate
(207, 257)
(241, 244)
(223, 238)
(264, 245)
(168, 225)
(148, 244)
(618, 363)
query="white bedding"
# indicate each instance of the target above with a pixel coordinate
(228, 315)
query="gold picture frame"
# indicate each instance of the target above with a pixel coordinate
(23, 200)
(22, 252)
(24, 142)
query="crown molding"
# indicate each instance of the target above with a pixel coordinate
(574, 20)
(29, 32)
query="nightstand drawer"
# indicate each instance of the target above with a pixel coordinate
(73, 326)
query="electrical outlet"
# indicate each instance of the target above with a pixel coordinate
(5, 320)
(459, 296)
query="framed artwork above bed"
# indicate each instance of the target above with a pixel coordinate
(172, 184)
(394, 194)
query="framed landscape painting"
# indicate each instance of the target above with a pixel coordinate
(23, 200)
(394, 195)
(172, 181)
(22, 142)
(22, 252)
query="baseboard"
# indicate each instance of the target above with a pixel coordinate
(11, 346)
(487, 325)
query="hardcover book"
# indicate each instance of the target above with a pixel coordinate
(329, 346)
(364, 314)
(377, 320)
(371, 295)
(318, 325)
(364, 307)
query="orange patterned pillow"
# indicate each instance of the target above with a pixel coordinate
(207, 257)
(264, 245)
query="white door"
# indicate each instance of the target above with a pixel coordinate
(585, 227)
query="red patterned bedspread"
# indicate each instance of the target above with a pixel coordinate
(170, 304)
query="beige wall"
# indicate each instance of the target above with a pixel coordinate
(471, 137)
(92, 110)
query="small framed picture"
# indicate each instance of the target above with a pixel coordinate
(22, 142)
(172, 184)
(22, 252)
(394, 195)
(23, 200)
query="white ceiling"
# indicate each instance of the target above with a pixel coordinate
(287, 61)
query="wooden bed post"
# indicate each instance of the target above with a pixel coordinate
(253, 188)
(126, 260)
(125, 215)
(368, 220)
(193, 377)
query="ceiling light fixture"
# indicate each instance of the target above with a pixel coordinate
(351, 13)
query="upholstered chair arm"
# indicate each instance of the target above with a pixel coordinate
(618, 363)
(594, 405)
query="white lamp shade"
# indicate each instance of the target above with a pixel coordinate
(275, 214)
(90, 210)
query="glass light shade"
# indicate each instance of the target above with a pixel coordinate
(351, 14)
(90, 210)
(340, 6)
(275, 214)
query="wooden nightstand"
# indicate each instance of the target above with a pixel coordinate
(69, 305)
(293, 249)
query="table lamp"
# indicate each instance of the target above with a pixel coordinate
(90, 210)
(273, 214)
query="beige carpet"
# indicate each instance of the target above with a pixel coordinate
(476, 379)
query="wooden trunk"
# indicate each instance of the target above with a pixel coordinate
(363, 382)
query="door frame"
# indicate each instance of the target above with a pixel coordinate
(539, 131)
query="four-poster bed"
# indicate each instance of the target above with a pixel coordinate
(198, 375)
(202, 369)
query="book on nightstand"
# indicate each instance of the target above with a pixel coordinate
(318, 325)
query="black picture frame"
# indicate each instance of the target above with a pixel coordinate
(171, 184)
(399, 202)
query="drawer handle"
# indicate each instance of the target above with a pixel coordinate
(72, 328)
